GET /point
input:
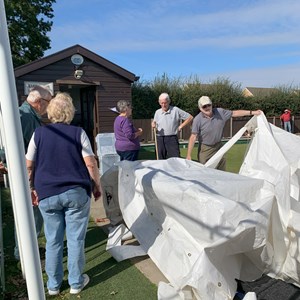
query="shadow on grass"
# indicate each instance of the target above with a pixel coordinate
(101, 265)
(109, 279)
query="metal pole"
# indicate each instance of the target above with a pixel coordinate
(2, 275)
(16, 167)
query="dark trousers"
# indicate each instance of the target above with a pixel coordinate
(131, 155)
(168, 146)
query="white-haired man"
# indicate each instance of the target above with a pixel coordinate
(208, 126)
(31, 112)
(167, 123)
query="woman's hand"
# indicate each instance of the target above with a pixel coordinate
(139, 132)
(34, 198)
(97, 192)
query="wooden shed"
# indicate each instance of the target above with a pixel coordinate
(94, 83)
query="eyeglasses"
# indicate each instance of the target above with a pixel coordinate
(206, 106)
(46, 100)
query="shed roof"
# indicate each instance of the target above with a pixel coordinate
(258, 91)
(76, 49)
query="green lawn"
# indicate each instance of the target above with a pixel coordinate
(109, 279)
(234, 157)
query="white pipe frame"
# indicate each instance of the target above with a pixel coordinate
(13, 140)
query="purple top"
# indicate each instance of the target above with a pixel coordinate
(125, 135)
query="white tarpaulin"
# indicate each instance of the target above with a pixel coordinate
(204, 228)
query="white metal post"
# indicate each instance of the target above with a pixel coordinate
(16, 167)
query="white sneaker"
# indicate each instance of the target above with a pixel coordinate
(53, 292)
(86, 280)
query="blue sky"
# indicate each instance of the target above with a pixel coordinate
(251, 42)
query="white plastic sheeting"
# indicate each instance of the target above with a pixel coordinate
(203, 227)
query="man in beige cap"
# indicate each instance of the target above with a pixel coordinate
(208, 126)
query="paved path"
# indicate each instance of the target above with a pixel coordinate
(144, 264)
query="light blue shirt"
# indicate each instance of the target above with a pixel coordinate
(167, 122)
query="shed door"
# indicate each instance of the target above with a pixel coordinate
(87, 102)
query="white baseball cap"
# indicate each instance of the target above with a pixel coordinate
(204, 100)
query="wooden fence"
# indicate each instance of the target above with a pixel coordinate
(231, 128)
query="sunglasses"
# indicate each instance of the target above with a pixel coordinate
(206, 106)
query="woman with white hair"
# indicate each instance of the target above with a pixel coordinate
(62, 167)
(127, 136)
(208, 127)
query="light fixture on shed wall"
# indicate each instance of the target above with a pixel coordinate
(78, 74)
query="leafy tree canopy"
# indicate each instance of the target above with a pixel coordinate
(28, 24)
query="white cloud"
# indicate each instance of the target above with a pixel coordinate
(205, 35)
(266, 23)
(286, 75)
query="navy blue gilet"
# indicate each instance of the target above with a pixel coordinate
(59, 165)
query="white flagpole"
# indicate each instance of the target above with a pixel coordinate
(15, 157)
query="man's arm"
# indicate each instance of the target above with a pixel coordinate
(154, 121)
(244, 113)
(3, 169)
(186, 122)
(192, 141)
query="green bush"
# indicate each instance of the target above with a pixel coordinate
(185, 92)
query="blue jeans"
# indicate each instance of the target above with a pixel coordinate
(67, 211)
(287, 126)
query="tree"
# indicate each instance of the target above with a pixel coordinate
(28, 24)
(184, 93)
(143, 101)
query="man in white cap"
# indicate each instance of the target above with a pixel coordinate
(167, 123)
(208, 126)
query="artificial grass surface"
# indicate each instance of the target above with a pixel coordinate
(108, 279)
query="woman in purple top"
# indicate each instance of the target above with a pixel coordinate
(127, 141)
